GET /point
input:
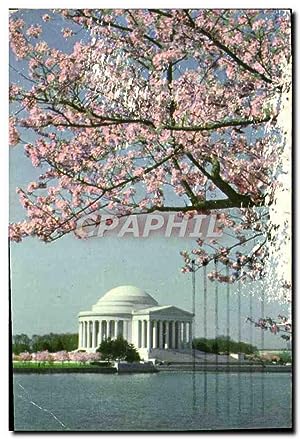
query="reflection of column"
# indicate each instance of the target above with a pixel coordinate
(155, 334)
(173, 334)
(161, 334)
(167, 335)
(93, 334)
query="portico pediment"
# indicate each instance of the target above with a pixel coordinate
(168, 310)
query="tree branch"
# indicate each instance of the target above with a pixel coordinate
(226, 49)
(233, 196)
(216, 125)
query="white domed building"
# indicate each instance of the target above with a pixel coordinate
(134, 314)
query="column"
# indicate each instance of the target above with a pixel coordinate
(116, 328)
(125, 329)
(107, 329)
(139, 333)
(167, 342)
(149, 334)
(79, 335)
(184, 334)
(160, 334)
(88, 334)
(93, 333)
(176, 336)
(100, 333)
(120, 326)
(108, 323)
(179, 334)
(155, 334)
(110, 328)
(143, 334)
(84, 335)
(190, 334)
(103, 327)
(173, 335)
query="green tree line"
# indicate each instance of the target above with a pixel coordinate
(69, 342)
(223, 344)
(50, 342)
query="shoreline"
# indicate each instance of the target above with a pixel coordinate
(207, 368)
(232, 368)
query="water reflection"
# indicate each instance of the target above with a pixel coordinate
(234, 396)
(154, 402)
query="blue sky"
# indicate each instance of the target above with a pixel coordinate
(51, 283)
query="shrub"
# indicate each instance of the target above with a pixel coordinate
(118, 349)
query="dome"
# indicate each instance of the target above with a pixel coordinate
(124, 299)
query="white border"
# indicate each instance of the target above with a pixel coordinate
(4, 5)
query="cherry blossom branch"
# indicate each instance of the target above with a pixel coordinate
(234, 197)
(102, 22)
(217, 125)
(282, 325)
(226, 49)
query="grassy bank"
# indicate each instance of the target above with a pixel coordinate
(28, 367)
(41, 365)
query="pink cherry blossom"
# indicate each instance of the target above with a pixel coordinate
(43, 356)
(67, 32)
(169, 112)
(61, 356)
(14, 137)
(25, 356)
(34, 31)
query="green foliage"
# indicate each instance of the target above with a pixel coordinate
(21, 343)
(222, 344)
(48, 342)
(201, 345)
(285, 357)
(118, 349)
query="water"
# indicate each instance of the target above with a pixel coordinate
(153, 402)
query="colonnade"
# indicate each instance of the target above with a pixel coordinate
(163, 334)
(148, 334)
(92, 332)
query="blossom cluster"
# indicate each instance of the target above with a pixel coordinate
(61, 356)
(152, 106)
(282, 324)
